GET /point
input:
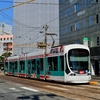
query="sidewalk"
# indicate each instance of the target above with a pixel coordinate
(96, 77)
(1, 72)
(95, 80)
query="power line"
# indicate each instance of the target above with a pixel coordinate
(22, 3)
(54, 19)
(64, 3)
(15, 21)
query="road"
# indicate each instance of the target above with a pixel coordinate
(13, 91)
(14, 88)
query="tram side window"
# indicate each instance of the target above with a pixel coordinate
(29, 64)
(33, 64)
(53, 64)
(62, 63)
(16, 65)
(22, 65)
(6, 65)
(49, 63)
(29, 67)
(10, 65)
(41, 64)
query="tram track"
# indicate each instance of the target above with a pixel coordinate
(75, 92)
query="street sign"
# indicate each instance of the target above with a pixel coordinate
(41, 44)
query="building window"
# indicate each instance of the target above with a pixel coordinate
(7, 38)
(77, 41)
(61, 1)
(62, 31)
(1, 39)
(77, 26)
(77, 7)
(66, 12)
(71, 27)
(66, 29)
(71, 10)
(89, 2)
(83, 4)
(97, 18)
(2, 25)
(96, 0)
(90, 21)
(84, 23)
(97, 40)
(11, 38)
(4, 38)
(62, 14)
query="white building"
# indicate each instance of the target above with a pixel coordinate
(30, 20)
(6, 38)
(5, 28)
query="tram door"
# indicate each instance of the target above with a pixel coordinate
(96, 67)
(38, 68)
(29, 68)
(33, 70)
(13, 67)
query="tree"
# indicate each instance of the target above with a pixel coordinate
(7, 54)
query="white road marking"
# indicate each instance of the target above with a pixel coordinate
(26, 88)
(14, 89)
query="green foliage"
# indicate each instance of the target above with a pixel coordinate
(7, 54)
(4, 55)
(1, 59)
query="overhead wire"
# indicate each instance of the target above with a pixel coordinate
(54, 19)
(67, 19)
(17, 2)
(9, 17)
(28, 31)
(15, 21)
(50, 21)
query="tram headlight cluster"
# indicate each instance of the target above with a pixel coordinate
(72, 74)
(89, 74)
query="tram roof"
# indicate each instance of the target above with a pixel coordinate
(36, 53)
(13, 57)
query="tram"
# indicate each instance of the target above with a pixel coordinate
(68, 63)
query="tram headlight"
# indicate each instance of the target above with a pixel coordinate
(72, 74)
(89, 74)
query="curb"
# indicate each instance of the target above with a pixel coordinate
(93, 83)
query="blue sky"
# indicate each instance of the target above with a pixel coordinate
(6, 15)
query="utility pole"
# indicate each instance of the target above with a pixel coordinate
(46, 28)
(44, 45)
(6, 49)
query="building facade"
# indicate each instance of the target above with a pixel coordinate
(30, 21)
(80, 23)
(5, 28)
(6, 38)
(6, 43)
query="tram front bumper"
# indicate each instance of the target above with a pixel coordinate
(78, 79)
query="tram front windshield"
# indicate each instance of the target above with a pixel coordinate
(78, 59)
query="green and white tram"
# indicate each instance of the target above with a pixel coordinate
(69, 64)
